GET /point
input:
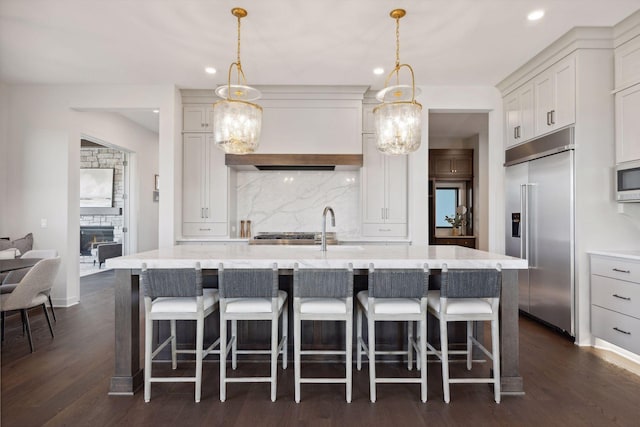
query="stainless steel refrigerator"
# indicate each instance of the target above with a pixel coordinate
(540, 225)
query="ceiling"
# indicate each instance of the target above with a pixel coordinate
(333, 42)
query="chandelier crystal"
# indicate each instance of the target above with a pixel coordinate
(398, 119)
(236, 120)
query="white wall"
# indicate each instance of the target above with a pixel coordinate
(462, 99)
(43, 148)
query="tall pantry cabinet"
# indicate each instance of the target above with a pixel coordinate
(205, 176)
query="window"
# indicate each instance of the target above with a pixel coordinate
(446, 202)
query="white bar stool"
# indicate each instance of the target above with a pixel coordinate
(469, 296)
(394, 295)
(323, 294)
(176, 294)
(251, 294)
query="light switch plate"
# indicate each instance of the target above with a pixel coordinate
(43, 222)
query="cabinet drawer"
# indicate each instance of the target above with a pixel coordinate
(616, 328)
(616, 295)
(389, 230)
(204, 228)
(616, 268)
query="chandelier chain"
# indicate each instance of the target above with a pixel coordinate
(238, 60)
(397, 49)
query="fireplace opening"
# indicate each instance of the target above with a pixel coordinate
(91, 234)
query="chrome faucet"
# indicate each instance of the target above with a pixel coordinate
(323, 242)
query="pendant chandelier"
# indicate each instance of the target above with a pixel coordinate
(236, 120)
(397, 119)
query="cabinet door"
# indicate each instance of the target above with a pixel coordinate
(543, 87)
(367, 118)
(373, 182)
(563, 112)
(442, 166)
(193, 177)
(628, 125)
(396, 190)
(197, 118)
(217, 180)
(527, 113)
(512, 118)
(462, 167)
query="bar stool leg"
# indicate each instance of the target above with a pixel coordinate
(469, 344)
(444, 347)
(199, 345)
(285, 338)
(148, 337)
(359, 336)
(174, 357)
(372, 358)
(349, 355)
(274, 356)
(234, 344)
(223, 359)
(296, 353)
(409, 347)
(423, 357)
(495, 344)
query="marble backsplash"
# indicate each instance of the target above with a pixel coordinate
(294, 200)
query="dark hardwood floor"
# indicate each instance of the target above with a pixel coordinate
(65, 383)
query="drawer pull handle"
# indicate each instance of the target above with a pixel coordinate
(621, 331)
(622, 271)
(384, 229)
(621, 297)
(205, 229)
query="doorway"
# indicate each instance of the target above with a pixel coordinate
(458, 174)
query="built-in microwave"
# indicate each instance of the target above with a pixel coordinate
(628, 182)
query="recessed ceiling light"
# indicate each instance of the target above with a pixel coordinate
(378, 71)
(535, 15)
(156, 111)
(210, 70)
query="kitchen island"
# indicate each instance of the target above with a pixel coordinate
(128, 376)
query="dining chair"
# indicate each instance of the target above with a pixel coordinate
(31, 292)
(9, 283)
(468, 296)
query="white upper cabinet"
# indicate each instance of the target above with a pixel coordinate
(555, 97)
(368, 125)
(627, 63)
(197, 118)
(519, 115)
(628, 124)
(384, 194)
(543, 104)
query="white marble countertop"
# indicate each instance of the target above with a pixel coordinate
(263, 256)
(626, 254)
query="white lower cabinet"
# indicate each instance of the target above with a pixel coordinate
(384, 192)
(204, 192)
(615, 297)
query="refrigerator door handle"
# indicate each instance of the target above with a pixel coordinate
(524, 234)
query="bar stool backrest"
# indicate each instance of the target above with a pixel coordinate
(471, 283)
(248, 282)
(172, 282)
(398, 283)
(323, 283)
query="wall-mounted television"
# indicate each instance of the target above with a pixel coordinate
(96, 187)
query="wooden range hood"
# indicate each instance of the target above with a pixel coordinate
(289, 162)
